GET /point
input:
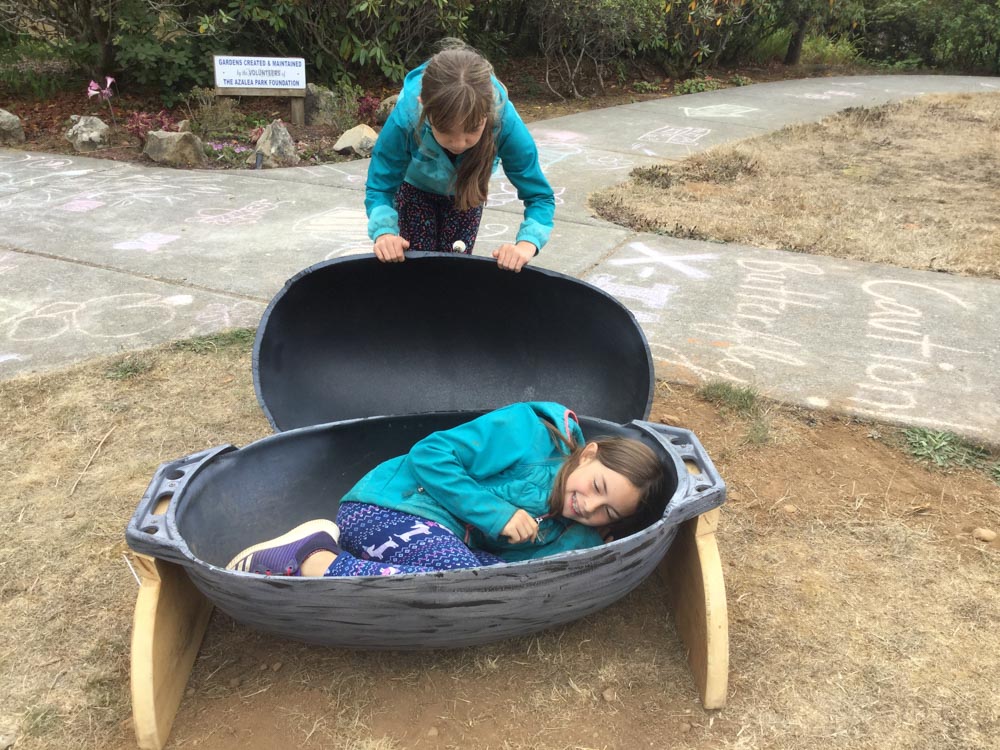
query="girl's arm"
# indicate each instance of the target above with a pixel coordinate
(390, 160)
(519, 157)
(450, 465)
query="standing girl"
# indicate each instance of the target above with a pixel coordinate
(514, 484)
(430, 170)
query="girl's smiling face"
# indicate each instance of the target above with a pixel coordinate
(596, 495)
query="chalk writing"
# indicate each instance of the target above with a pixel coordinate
(894, 375)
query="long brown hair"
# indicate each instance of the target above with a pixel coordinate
(457, 92)
(631, 458)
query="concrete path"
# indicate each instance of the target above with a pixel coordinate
(98, 257)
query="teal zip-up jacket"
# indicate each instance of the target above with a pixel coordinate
(472, 478)
(399, 155)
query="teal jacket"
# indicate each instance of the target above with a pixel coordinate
(399, 155)
(472, 478)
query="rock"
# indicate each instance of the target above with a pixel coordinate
(609, 694)
(88, 133)
(276, 667)
(432, 732)
(184, 126)
(789, 508)
(359, 140)
(385, 108)
(984, 535)
(323, 107)
(276, 146)
(174, 149)
(11, 131)
(684, 727)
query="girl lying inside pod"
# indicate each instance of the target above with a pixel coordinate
(486, 527)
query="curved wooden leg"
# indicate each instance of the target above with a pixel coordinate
(697, 593)
(171, 616)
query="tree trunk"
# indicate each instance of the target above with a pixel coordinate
(794, 52)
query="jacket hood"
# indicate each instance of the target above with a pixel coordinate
(564, 419)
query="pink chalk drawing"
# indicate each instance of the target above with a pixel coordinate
(81, 205)
(150, 242)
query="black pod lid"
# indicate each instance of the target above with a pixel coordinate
(353, 337)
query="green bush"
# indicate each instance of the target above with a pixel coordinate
(822, 50)
(697, 85)
(37, 68)
(961, 35)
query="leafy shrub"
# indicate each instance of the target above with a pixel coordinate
(645, 87)
(697, 85)
(821, 50)
(139, 124)
(213, 115)
(689, 35)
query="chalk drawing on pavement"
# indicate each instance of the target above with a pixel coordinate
(687, 136)
(504, 193)
(218, 316)
(149, 242)
(718, 110)
(109, 317)
(341, 231)
(81, 205)
(246, 215)
(651, 298)
(647, 256)
(824, 96)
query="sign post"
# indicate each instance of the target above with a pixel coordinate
(237, 75)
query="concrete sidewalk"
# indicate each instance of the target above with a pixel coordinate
(98, 257)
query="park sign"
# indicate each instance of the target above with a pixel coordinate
(246, 75)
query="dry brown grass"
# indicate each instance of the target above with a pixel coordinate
(863, 614)
(914, 184)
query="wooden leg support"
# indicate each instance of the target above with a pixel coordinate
(697, 593)
(171, 616)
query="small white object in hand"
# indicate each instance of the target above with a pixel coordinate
(458, 246)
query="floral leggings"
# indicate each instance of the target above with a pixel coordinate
(382, 542)
(432, 223)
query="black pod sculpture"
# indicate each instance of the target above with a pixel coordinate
(355, 361)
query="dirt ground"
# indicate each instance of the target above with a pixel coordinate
(863, 613)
